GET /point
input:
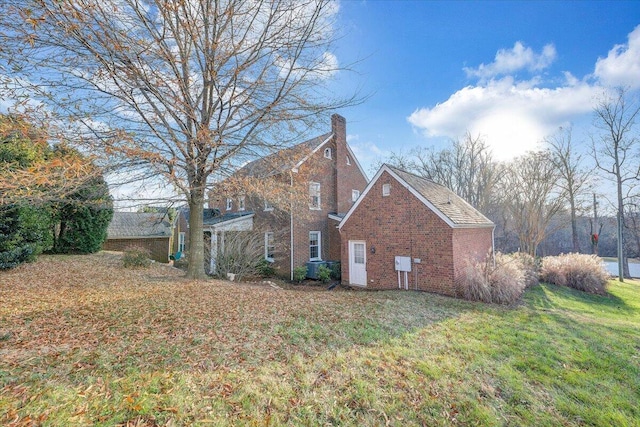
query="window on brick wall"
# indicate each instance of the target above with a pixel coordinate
(229, 203)
(314, 246)
(314, 195)
(268, 206)
(348, 160)
(354, 195)
(269, 246)
(386, 189)
(327, 153)
(241, 203)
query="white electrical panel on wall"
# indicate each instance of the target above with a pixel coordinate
(403, 263)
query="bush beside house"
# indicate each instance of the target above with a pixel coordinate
(579, 271)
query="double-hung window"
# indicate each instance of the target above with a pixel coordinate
(314, 246)
(241, 203)
(314, 195)
(269, 246)
(229, 203)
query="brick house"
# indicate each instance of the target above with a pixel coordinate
(327, 168)
(408, 232)
(151, 231)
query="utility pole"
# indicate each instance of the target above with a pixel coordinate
(595, 235)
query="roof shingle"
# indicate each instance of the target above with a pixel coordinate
(138, 224)
(446, 201)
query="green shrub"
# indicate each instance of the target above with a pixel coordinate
(82, 219)
(300, 273)
(324, 273)
(25, 232)
(579, 271)
(499, 282)
(135, 256)
(265, 268)
(336, 271)
(14, 257)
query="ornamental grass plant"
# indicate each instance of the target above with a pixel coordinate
(578, 271)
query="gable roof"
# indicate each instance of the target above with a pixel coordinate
(285, 159)
(450, 207)
(126, 225)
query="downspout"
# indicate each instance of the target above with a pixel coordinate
(291, 228)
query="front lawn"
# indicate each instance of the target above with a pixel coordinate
(84, 341)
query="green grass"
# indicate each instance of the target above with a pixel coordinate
(144, 351)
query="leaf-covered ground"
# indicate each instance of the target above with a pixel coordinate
(84, 341)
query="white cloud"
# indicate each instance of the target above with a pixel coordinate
(513, 116)
(621, 67)
(518, 58)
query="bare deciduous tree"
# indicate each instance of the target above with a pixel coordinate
(467, 168)
(532, 197)
(180, 89)
(574, 179)
(615, 151)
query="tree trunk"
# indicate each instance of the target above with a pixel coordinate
(574, 227)
(196, 236)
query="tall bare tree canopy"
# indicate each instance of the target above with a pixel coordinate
(174, 88)
(574, 178)
(532, 197)
(616, 151)
(467, 168)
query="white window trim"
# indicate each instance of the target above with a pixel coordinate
(266, 246)
(354, 195)
(268, 207)
(319, 192)
(241, 203)
(327, 153)
(319, 257)
(181, 241)
(229, 203)
(386, 190)
(348, 160)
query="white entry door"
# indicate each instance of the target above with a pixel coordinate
(357, 263)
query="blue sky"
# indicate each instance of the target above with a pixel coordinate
(510, 71)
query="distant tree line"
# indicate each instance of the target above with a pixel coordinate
(544, 202)
(52, 198)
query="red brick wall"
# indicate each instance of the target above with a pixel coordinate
(334, 241)
(322, 170)
(337, 180)
(470, 244)
(348, 176)
(159, 247)
(400, 225)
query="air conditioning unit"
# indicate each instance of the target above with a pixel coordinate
(312, 268)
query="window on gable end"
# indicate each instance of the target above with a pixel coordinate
(314, 195)
(354, 195)
(348, 160)
(386, 189)
(327, 153)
